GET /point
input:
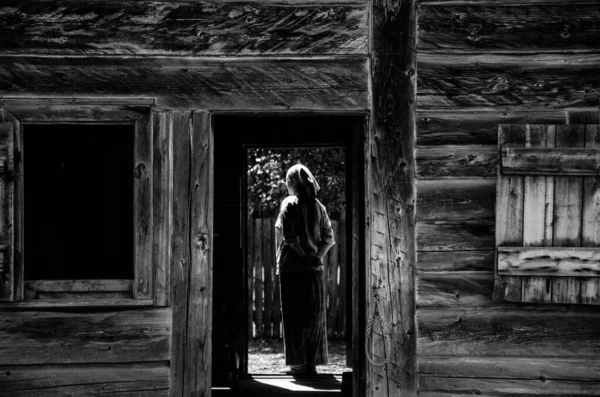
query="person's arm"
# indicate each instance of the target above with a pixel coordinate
(324, 247)
(327, 238)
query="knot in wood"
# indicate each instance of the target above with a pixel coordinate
(460, 16)
(139, 170)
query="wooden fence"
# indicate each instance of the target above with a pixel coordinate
(264, 312)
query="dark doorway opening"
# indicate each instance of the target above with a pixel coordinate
(234, 136)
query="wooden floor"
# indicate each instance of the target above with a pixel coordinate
(283, 385)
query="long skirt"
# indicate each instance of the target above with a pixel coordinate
(304, 313)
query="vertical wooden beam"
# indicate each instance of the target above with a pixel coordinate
(391, 193)
(199, 311)
(161, 205)
(180, 259)
(590, 228)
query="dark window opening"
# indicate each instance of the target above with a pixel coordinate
(78, 202)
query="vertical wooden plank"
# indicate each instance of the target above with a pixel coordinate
(142, 185)
(250, 275)
(162, 205)
(199, 324)
(391, 192)
(340, 325)
(268, 271)
(258, 279)
(537, 214)
(509, 212)
(590, 228)
(180, 259)
(7, 265)
(568, 201)
(277, 324)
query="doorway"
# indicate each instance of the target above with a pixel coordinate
(234, 304)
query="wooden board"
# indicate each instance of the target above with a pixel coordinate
(590, 228)
(460, 161)
(36, 337)
(456, 200)
(7, 197)
(505, 330)
(549, 261)
(512, 81)
(391, 192)
(460, 127)
(458, 289)
(455, 236)
(135, 380)
(217, 83)
(487, 27)
(547, 161)
(455, 261)
(181, 28)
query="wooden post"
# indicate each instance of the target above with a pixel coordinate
(390, 253)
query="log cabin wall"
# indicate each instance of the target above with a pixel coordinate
(191, 59)
(481, 64)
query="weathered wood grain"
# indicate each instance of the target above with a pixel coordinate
(508, 81)
(142, 215)
(538, 212)
(162, 204)
(216, 84)
(590, 227)
(198, 363)
(487, 27)
(36, 337)
(509, 212)
(268, 232)
(549, 161)
(135, 380)
(258, 281)
(506, 330)
(78, 285)
(170, 28)
(460, 161)
(437, 128)
(7, 192)
(76, 304)
(456, 200)
(496, 367)
(447, 289)
(501, 2)
(440, 261)
(506, 387)
(391, 175)
(455, 236)
(568, 203)
(181, 254)
(549, 261)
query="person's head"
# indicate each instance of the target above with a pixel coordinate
(300, 182)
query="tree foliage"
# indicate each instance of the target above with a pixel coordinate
(266, 177)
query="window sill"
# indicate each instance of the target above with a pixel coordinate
(68, 304)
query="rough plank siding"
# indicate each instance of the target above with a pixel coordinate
(590, 228)
(131, 380)
(391, 205)
(7, 266)
(67, 337)
(172, 28)
(217, 83)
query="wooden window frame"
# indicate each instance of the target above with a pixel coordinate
(136, 112)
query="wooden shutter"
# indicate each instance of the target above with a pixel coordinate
(548, 214)
(7, 269)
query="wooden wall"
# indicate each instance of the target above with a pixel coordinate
(480, 64)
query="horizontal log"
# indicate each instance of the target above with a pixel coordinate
(77, 304)
(76, 337)
(135, 380)
(454, 289)
(78, 285)
(455, 236)
(495, 367)
(214, 84)
(506, 387)
(450, 161)
(436, 128)
(550, 161)
(549, 261)
(170, 28)
(456, 200)
(509, 330)
(500, 2)
(507, 81)
(455, 261)
(485, 27)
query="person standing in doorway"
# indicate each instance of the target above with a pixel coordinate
(303, 237)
